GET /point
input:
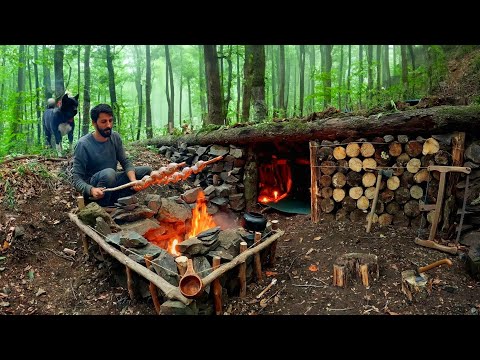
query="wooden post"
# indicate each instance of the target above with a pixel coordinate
(315, 209)
(81, 205)
(375, 199)
(273, 251)
(181, 264)
(217, 288)
(242, 272)
(274, 224)
(256, 257)
(273, 247)
(80, 202)
(83, 236)
(458, 151)
(130, 283)
(438, 206)
(241, 258)
(153, 289)
(170, 291)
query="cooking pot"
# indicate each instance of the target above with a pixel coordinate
(253, 221)
(190, 285)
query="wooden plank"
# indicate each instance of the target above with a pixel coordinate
(314, 170)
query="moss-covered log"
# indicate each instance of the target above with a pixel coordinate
(435, 120)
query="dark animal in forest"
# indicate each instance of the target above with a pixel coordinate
(60, 122)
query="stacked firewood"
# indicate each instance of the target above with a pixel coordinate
(348, 172)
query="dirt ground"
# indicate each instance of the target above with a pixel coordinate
(37, 278)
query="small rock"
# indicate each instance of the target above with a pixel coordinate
(40, 292)
(69, 251)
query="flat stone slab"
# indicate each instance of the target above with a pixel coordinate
(141, 226)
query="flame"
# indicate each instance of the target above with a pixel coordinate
(170, 234)
(171, 247)
(201, 220)
(275, 181)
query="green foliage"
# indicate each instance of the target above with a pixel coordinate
(20, 135)
(10, 194)
(208, 128)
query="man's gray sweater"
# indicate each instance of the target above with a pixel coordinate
(92, 156)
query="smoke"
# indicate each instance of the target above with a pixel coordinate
(226, 220)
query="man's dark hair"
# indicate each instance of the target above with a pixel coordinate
(100, 108)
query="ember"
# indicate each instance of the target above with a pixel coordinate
(275, 180)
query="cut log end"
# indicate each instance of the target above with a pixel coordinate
(415, 286)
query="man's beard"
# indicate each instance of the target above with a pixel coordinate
(106, 133)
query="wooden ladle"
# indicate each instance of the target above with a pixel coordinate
(190, 285)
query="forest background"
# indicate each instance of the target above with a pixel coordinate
(171, 89)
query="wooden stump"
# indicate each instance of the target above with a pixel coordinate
(355, 265)
(415, 286)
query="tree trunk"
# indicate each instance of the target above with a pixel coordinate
(111, 86)
(190, 114)
(281, 81)
(312, 76)
(247, 83)
(238, 85)
(138, 87)
(258, 83)
(369, 75)
(302, 80)
(328, 74)
(274, 94)
(213, 84)
(228, 98)
(348, 97)
(360, 75)
(403, 51)
(429, 66)
(201, 84)
(180, 100)
(18, 111)
(438, 120)
(379, 72)
(79, 51)
(148, 91)
(47, 82)
(171, 99)
(86, 90)
(287, 82)
(37, 94)
(58, 69)
(340, 79)
(412, 57)
(387, 80)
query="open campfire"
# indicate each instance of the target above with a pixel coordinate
(179, 240)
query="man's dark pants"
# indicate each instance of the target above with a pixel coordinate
(110, 178)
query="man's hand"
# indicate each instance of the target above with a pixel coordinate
(97, 193)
